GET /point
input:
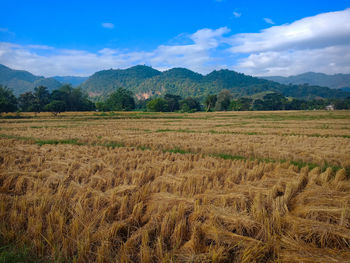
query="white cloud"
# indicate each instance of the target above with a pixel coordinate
(320, 43)
(237, 15)
(269, 21)
(108, 25)
(330, 60)
(195, 56)
(312, 32)
(42, 47)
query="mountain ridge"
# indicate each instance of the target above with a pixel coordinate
(146, 82)
(21, 81)
(335, 81)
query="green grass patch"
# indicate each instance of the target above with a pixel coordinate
(111, 144)
(228, 156)
(55, 142)
(21, 138)
(177, 130)
(143, 148)
(177, 150)
(10, 252)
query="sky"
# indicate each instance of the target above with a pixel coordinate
(259, 38)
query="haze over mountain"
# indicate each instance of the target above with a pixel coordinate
(146, 82)
(21, 81)
(336, 81)
(74, 81)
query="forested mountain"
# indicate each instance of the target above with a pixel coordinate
(336, 81)
(105, 82)
(146, 82)
(72, 80)
(20, 81)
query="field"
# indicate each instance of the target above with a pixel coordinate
(169, 187)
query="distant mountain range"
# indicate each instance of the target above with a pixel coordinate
(21, 81)
(337, 81)
(146, 82)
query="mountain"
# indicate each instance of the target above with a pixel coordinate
(102, 83)
(21, 81)
(336, 81)
(346, 89)
(146, 82)
(72, 80)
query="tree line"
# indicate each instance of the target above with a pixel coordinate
(68, 98)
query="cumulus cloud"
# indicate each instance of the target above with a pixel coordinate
(312, 32)
(108, 25)
(320, 43)
(330, 60)
(196, 56)
(269, 21)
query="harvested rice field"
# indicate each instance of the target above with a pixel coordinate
(171, 187)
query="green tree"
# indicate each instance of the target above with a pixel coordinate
(74, 98)
(121, 100)
(55, 107)
(241, 104)
(210, 102)
(275, 101)
(190, 105)
(8, 101)
(158, 105)
(42, 97)
(173, 102)
(27, 101)
(141, 104)
(101, 106)
(258, 105)
(223, 100)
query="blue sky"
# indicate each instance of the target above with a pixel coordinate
(254, 37)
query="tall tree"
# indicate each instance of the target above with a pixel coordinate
(190, 105)
(121, 99)
(55, 107)
(173, 102)
(158, 105)
(27, 101)
(8, 101)
(223, 100)
(42, 97)
(275, 101)
(210, 102)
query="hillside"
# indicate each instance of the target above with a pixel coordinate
(336, 81)
(104, 82)
(145, 82)
(21, 81)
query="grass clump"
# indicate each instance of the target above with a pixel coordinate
(55, 142)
